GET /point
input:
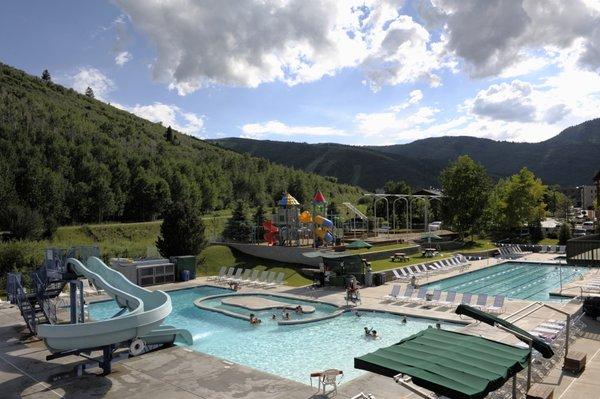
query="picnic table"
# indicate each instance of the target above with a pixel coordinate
(401, 256)
(430, 252)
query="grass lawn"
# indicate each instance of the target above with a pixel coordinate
(215, 256)
(549, 241)
(477, 245)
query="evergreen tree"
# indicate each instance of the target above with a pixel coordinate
(238, 228)
(169, 135)
(46, 76)
(332, 209)
(181, 232)
(259, 218)
(536, 233)
(89, 92)
(564, 234)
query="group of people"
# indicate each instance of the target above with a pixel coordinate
(370, 332)
(254, 320)
(285, 315)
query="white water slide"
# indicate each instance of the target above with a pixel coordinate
(146, 310)
(356, 211)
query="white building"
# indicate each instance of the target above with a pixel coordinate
(587, 196)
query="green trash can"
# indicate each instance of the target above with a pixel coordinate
(182, 263)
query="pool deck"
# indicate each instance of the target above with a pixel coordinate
(178, 372)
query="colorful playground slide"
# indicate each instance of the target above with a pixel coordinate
(146, 310)
(323, 231)
(271, 232)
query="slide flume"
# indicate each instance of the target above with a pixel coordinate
(146, 312)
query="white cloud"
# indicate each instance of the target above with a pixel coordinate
(170, 115)
(389, 124)
(492, 37)
(414, 97)
(92, 77)
(123, 57)
(293, 41)
(259, 130)
(506, 101)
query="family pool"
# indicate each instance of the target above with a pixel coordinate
(517, 280)
(289, 351)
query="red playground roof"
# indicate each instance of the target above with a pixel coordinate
(318, 198)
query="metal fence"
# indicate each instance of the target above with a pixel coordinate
(584, 250)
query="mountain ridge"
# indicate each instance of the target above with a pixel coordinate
(568, 159)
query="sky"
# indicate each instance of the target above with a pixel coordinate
(370, 72)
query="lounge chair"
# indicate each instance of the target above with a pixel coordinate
(236, 276)
(543, 250)
(414, 271)
(228, 275)
(498, 305)
(450, 298)
(400, 274)
(435, 298)
(562, 249)
(407, 294)
(244, 276)
(270, 278)
(394, 292)
(466, 298)
(252, 278)
(481, 301)
(278, 280)
(222, 272)
(421, 296)
(261, 279)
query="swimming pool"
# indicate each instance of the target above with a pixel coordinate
(288, 351)
(517, 280)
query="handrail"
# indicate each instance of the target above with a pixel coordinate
(522, 309)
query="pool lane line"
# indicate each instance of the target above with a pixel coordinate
(547, 288)
(479, 279)
(520, 272)
(516, 278)
(543, 277)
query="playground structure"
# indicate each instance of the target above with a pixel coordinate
(290, 227)
(138, 325)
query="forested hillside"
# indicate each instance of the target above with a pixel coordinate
(568, 159)
(67, 158)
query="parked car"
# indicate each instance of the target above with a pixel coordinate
(433, 226)
(579, 232)
(589, 225)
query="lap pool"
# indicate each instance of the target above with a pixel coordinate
(289, 351)
(518, 280)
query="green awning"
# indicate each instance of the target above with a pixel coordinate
(538, 344)
(448, 363)
(358, 244)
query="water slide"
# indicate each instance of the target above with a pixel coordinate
(146, 310)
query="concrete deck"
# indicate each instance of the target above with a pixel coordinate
(257, 303)
(177, 372)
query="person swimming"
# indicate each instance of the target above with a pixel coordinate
(254, 319)
(368, 331)
(404, 320)
(286, 315)
(299, 309)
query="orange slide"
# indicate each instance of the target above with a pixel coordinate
(271, 232)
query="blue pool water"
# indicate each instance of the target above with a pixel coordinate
(518, 280)
(288, 351)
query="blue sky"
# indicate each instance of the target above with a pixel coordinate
(358, 72)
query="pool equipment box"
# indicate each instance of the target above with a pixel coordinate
(145, 271)
(184, 263)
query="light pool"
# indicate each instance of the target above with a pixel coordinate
(292, 351)
(517, 280)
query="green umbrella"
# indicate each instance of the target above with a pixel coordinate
(358, 244)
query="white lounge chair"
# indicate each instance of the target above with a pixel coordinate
(278, 280)
(270, 278)
(222, 272)
(421, 296)
(498, 305)
(400, 274)
(394, 292)
(562, 249)
(466, 298)
(236, 276)
(261, 279)
(244, 277)
(481, 301)
(228, 275)
(407, 294)
(252, 278)
(449, 300)
(435, 298)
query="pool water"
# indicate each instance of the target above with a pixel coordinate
(292, 351)
(516, 280)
